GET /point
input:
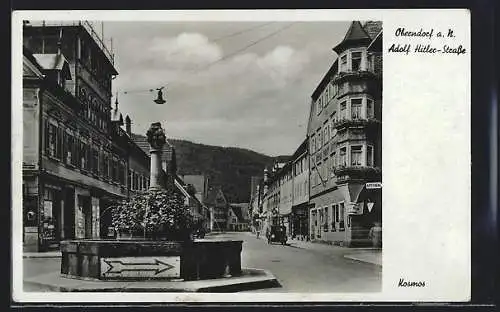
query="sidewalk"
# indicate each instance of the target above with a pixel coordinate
(46, 254)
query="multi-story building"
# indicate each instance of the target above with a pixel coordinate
(300, 196)
(72, 169)
(238, 217)
(285, 181)
(344, 132)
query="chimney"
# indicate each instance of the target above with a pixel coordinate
(128, 125)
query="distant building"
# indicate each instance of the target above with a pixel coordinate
(238, 217)
(219, 209)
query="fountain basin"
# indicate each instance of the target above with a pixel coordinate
(138, 260)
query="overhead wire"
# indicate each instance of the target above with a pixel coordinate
(234, 53)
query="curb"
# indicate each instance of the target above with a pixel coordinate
(55, 283)
(361, 260)
(41, 256)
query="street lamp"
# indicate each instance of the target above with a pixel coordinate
(159, 99)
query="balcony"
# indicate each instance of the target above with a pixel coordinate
(357, 122)
(347, 173)
(355, 75)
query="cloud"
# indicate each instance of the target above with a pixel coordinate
(185, 49)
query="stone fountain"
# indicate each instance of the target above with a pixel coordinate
(139, 264)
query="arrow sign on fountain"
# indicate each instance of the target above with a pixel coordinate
(140, 267)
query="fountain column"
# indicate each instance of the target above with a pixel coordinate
(156, 139)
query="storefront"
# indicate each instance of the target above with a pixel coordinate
(300, 222)
(349, 215)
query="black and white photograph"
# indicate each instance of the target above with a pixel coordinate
(225, 156)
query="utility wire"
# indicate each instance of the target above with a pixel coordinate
(175, 52)
(197, 70)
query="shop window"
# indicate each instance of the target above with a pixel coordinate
(325, 228)
(356, 156)
(356, 105)
(341, 217)
(356, 61)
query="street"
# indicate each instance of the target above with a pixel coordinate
(318, 268)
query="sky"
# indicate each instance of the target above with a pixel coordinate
(234, 84)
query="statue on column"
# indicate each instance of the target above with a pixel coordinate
(156, 139)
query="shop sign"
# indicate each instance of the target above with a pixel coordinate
(140, 267)
(355, 208)
(373, 185)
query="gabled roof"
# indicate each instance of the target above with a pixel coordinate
(355, 34)
(238, 212)
(213, 193)
(54, 62)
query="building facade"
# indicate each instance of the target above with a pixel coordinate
(345, 149)
(300, 197)
(72, 169)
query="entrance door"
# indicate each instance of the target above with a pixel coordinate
(69, 214)
(87, 217)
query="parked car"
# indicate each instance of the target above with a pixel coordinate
(277, 234)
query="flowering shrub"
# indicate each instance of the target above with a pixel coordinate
(155, 214)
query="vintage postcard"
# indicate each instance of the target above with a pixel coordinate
(283, 155)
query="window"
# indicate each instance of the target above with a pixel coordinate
(105, 166)
(83, 156)
(369, 108)
(369, 155)
(356, 105)
(313, 144)
(318, 106)
(336, 215)
(356, 159)
(319, 142)
(334, 163)
(326, 133)
(327, 94)
(343, 110)
(51, 140)
(341, 217)
(356, 61)
(68, 144)
(343, 63)
(95, 161)
(343, 157)
(327, 220)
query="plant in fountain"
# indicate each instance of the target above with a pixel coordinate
(154, 214)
